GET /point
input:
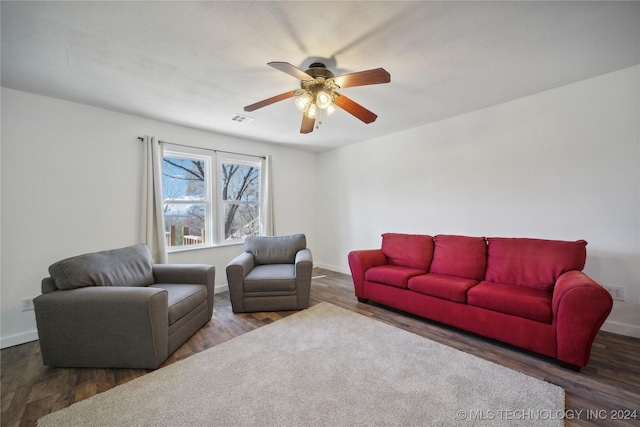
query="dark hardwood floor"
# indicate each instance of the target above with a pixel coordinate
(606, 388)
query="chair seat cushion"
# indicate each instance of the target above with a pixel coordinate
(392, 275)
(272, 277)
(442, 286)
(530, 303)
(182, 298)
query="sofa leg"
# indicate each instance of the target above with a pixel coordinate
(570, 366)
(363, 300)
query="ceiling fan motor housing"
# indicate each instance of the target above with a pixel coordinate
(318, 69)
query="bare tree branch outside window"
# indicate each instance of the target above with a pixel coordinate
(241, 197)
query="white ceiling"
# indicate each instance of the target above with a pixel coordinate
(199, 63)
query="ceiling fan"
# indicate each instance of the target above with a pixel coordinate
(319, 94)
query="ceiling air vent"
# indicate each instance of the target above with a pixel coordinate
(241, 119)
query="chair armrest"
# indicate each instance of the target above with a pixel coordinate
(48, 285)
(103, 327)
(304, 255)
(242, 263)
(580, 307)
(184, 273)
(202, 274)
(237, 270)
(359, 262)
(304, 271)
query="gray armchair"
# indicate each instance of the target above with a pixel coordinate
(116, 309)
(273, 274)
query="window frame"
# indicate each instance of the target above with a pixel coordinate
(207, 201)
(243, 160)
(214, 205)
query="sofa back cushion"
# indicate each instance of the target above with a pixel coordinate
(275, 249)
(534, 263)
(408, 250)
(460, 256)
(130, 266)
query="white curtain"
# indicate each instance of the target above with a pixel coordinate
(267, 227)
(152, 218)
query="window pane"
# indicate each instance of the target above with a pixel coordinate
(240, 182)
(183, 179)
(241, 220)
(240, 194)
(185, 223)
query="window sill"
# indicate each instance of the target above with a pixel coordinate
(198, 248)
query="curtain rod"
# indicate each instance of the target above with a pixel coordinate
(206, 149)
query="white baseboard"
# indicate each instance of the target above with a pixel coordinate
(18, 339)
(621, 329)
(221, 288)
(333, 268)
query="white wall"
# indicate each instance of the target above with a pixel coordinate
(71, 183)
(561, 164)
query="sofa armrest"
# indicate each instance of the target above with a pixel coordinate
(580, 307)
(359, 262)
(202, 274)
(103, 327)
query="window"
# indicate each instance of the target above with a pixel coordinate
(239, 198)
(186, 198)
(210, 199)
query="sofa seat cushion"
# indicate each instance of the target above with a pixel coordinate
(392, 275)
(182, 298)
(534, 263)
(442, 286)
(460, 256)
(529, 303)
(408, 250)
(270, 278)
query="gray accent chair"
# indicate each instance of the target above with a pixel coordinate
(273, 274)
(116, 309)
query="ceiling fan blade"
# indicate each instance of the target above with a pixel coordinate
(307, 124)
(355, 109)
(363, 78)
(291, 70)
(269, 101)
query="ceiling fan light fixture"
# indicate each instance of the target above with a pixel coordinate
(323, 100)
(304, 101)
(312, 111)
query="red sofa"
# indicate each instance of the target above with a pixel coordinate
(530, 293)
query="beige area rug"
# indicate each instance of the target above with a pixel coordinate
(324, 366)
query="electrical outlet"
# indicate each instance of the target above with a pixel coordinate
(27, 304)
(617, 292)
